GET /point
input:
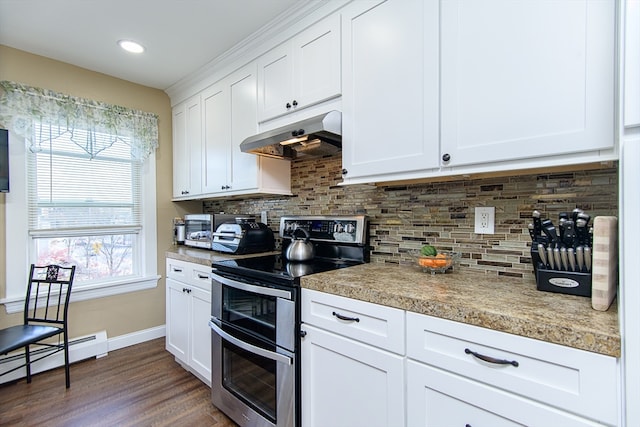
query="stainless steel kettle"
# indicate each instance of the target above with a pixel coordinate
(300, 248)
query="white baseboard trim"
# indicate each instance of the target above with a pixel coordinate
(137, 337)
(80, 348)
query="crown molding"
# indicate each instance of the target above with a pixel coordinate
(275, 32)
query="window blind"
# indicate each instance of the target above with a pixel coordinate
(71, 193)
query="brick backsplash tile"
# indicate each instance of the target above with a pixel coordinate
(404, 217)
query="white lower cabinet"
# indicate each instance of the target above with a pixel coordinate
(437, 398)
(347, 381)
(360, 368)
(188, 309)
(478, 376)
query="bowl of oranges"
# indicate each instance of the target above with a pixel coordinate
(429, 259)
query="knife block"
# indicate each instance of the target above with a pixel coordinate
(564, 282)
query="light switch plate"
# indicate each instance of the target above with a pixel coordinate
(485, 220)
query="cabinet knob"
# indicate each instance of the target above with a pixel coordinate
(295, 103)
(288, 106)
(344, 171)
(446, 157)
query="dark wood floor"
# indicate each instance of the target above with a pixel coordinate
(141, 385)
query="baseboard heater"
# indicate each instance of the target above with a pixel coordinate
(81, 348)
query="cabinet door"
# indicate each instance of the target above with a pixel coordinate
(244, 123)
(200, 336)
(390, 87)
(275, 82)
(216, 130)
(316, 53)
(436, 398)
(526, 79)
(187, 147)
(350, 384)
(177, 325)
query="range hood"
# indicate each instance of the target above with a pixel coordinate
(314, 137)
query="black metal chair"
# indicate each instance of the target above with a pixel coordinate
(45, 316)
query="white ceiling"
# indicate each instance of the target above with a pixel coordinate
(180, 36)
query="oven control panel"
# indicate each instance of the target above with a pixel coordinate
(338, 229)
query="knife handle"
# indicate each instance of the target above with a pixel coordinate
(550, 230)
(532, 232)
(569, 235)
(581, 231)
(537, 222)
(575, 212)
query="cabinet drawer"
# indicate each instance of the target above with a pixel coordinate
(189, 273)
(439, 398)
(373, 324)
(574, 380)
(200, 276)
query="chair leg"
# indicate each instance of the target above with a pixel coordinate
(27, 357)
(66, 360)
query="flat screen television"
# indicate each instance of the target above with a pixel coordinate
(4, 161)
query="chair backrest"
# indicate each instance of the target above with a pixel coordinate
(48, 293)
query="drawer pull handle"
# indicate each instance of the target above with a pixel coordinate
(177, 270)
(492, 359)
(345, 318)
(203, 276)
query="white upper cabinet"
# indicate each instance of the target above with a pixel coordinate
(229, 116)
(632, 64)
(526, 79)
(301, 72)
(187, 145)
(390, 87)
(216, 132)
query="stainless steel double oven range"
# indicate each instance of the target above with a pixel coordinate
(255, 320)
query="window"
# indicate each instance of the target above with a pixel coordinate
(83, 192)
(84, 211)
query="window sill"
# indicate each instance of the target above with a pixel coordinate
(87, 292)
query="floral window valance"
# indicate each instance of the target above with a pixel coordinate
(101, 124)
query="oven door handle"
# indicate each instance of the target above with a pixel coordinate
(249, 347)
(262, 290)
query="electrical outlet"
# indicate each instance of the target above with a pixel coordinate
(263, 217)
(485, 220)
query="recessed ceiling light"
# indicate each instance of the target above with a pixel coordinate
(131, 46)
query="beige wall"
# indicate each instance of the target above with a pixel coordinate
(121, 314)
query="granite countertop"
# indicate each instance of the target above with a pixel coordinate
(500, 303)
(203, 256)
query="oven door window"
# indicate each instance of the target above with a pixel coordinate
(251, 378)
(250, 312)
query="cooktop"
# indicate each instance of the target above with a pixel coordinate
(276, 268)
